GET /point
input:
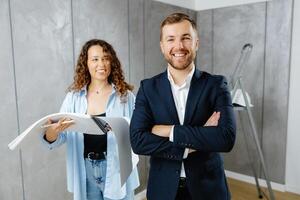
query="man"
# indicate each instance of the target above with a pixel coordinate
(183, 117)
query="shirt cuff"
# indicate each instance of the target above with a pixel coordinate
(186, 153)
(44, 137)
(171, 138)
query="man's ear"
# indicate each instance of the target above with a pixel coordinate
(161, 47)
(197, 43)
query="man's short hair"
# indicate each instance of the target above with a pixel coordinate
(176, 18)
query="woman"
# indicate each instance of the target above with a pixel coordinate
(99, 89)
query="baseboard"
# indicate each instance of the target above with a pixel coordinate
(141, 195)
(245, 178)
(250, 179)
(293, 189)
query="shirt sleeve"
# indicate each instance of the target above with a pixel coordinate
(186, 153)
(61, 139)
(171, 138)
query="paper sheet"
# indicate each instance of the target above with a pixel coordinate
(85, 124)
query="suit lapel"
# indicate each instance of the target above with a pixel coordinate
(196, 89)
(166, 95)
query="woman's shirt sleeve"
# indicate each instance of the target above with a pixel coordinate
(65, 108)
(131, 100)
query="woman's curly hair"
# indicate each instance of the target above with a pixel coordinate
(82, 75)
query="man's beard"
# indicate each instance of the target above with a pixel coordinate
(181, 66)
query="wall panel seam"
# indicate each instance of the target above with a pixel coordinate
(72, 30)
(15, 91)
(288, 92)
(212, 41)
(264, 84)
(144, 43)
(129, 52)
(290, 60)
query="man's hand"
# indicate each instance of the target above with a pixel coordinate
(212, 121)
(162, 130)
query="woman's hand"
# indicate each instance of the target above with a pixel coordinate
(55, 128)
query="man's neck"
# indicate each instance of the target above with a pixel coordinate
(179, 76)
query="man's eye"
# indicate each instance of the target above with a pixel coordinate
(186, 38)
(170, 40)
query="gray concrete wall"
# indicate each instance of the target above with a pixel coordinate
(10, 168)
(275, 106)
(41, 35)
(267, 26)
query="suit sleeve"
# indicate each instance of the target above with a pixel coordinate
(219, 138)
(144, 142)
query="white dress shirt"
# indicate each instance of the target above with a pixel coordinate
(180, 94)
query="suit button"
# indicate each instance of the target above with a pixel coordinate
(177, 171)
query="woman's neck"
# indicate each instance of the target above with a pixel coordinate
(97, 86)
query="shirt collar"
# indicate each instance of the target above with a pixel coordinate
(187, 81)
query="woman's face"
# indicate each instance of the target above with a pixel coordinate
(98, 63)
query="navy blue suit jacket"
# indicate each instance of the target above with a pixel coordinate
(204, 168)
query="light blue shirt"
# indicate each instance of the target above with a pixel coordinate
(76, 102)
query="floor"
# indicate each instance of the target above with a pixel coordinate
(245, 191)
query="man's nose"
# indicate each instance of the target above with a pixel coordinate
(179, 44)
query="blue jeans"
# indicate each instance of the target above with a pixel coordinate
(95, 180)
